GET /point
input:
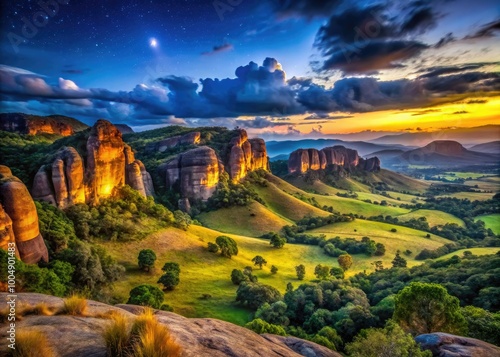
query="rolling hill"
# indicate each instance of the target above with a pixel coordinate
(492, 147)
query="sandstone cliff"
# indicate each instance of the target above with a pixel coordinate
(110, 163)
(246, 156)
(34, 124)
(174, 141)
(19, 219)
(303, 160)
(82, 336)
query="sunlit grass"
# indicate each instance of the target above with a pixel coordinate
(75, 306)
(32, 343)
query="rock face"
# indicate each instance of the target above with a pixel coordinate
(246, 156)
(447, 345)
(196, 171)
(33, 124)
(169, 143)
(82, 336)
(303, 160)
(124, 128)
(19, 219)
(110, 163)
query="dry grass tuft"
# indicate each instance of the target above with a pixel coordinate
(41, 309)
(155, 341)
(75, 306)
(117, 336)
(32, 344)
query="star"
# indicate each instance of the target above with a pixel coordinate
(153, 42)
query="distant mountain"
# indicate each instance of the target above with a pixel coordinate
(489, 148)
(387, 157)
(279, 157)
(34, 124)
(446, 153)
(466, 136)
(275, 148)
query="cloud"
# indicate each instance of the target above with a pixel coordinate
(460, 112)
(218, 49)
(258, 123)
(448, 38)
(477, 101)
(326, 117)
(426, 111)
(490, 29)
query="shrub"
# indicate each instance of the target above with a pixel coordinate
(32, 344)
(212, 247)
(274, 269)
(394, 230)
(146, 259)
(260, 326)
(228, 246)
(169, 280)
(75, 306)
(237, 277)
(39, 309)
(301, 271)
(146, 295)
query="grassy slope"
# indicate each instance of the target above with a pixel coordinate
(208, 273)
(434, 217)
(473, 196)
(398, 182)
(492, 221)
(404, 238)
(239, 220)
(475, 251)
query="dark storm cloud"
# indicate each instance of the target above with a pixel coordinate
(438, 71)
(326, 117)
(463, 82)
(218, 49)
(449, 38)
(259, 123)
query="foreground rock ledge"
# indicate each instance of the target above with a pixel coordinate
(73, 336)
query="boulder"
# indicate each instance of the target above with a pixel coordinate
(136, 175)
(82, 336)
(19, 208)
(298, 161)
(447, 345)
(7, 237)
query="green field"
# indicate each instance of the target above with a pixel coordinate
(491, 221)
(434, 217)
(475, 251)
(473, 196)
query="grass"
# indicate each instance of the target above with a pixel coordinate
(117, 336)
(253, 220)
(404, 238)
(475, 251)
(491, 221)
(434, 217)
(75, 306)
(473, 196)
(32, 343)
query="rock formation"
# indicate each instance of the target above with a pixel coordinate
(110, 163)
(19, 219)
(169, 143)
(302, 160)
(34, 124)
(447, 345)
(82, 337)
(124, 128)
(246, 156)
(197, 172)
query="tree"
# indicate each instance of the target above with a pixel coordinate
(260, 326)
(146, 295)
(425, 308)
(337, 272)
(254, 294)
(328, 337)
(169, 280)
(228, 246)
(212, 247)
(380, 249)
(391, 341)
(274, 269)
(259, 261)
(321, 271)
(277, 241)
(399, 261)
(345, 261)
(182, 220)
(237, 277)
(146, 259)
(301, 271)
(379, 265)
(171, 266)
(482, 324)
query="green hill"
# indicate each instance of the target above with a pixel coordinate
(434, 217)
(491, 221)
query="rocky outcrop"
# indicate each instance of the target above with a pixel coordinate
(193, 138)
(110, 163)
(447, 345)
(124, 128)
(19, 219)
(196, 172)
(246, 155)
(34, 124)
(82, 336)
(303, 160)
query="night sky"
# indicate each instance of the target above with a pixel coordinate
(279, 68)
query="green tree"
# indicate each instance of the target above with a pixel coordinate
(337, 273)
(391, 341)
(259, 261)
(345, 261)
(237, 277)
(482, 324)
(228, 246)
(328, 337)
(212, 247)
(254, 295)
(424, 308)
(399, 261)
(274, 269)
(169, 280)
(182, 220)
(260, 326)
(277, 241)
(301, 271)
(172, 266)
(146, 259)
(146, 295)
(321, 271)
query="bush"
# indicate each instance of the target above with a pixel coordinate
(301, 271)
(228, 246)
(32, 343)
(146, 259)
(237, 277)
(212, 247)
(254, 295)
(261, 326)
(146, 295)
(274, 269)
(169, 280)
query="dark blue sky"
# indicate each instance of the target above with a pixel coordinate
(93, 58)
